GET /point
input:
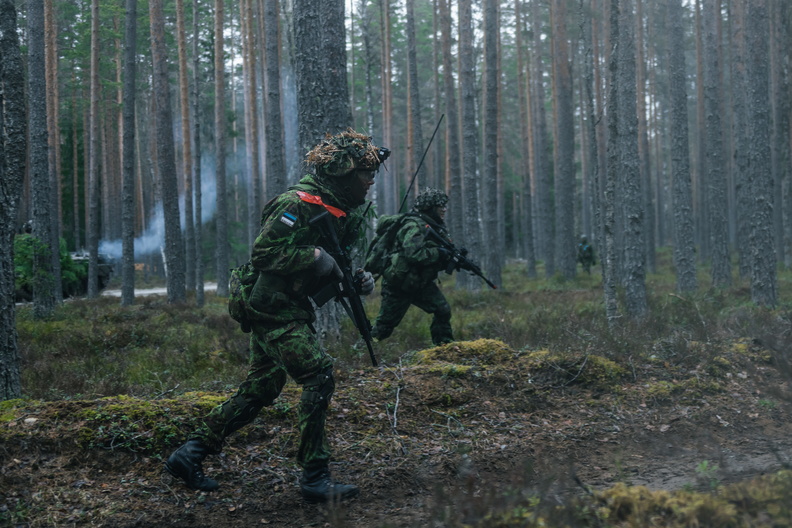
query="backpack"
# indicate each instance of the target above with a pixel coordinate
(378, 258)
(240, 286)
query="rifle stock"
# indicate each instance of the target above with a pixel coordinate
(458, 260)
(346, 286)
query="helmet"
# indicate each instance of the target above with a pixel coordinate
(340, 154)
(583, 238)
(430, 198)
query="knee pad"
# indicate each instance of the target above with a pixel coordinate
(443, 312)
(319, 389)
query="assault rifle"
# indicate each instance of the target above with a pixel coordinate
(345, 288)
(458, 259)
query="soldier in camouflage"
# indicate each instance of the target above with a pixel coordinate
(411, 279)
(292, 265)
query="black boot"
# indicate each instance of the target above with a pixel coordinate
(185, 463)
(316, 485)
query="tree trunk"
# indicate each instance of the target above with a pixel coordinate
(643, 139)
(634, 245)
(273, 120)
(53, 151)
(254, 193)
(526, 226)
(760, 181)
(453, 163)
(12, 173)
(43, 270)
(682, 199)
(128, 192)
(415, 144)
(716, 175)
(701, 195)
(543, 200)
(467, 95)
(199, 266)
(564, 133)
(221, 222)
(166, 157)
(492, 220)
(322, 93)
(92, 227)
(187, 162)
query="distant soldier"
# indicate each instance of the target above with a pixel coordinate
(414, 260)
(291, 265)
(585, 254)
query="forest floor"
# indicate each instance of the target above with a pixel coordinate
(457, 434)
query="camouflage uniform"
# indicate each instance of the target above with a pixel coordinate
(283, 341)
(412, 277)
(585, 254)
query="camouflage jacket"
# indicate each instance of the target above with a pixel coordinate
(283, 252)
(417, 259)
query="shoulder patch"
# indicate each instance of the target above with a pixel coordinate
(288, 219)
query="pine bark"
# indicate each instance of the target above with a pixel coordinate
(273, 119)
(634, 279)
(564, 136)
(453, 162)
(221, 228)
(187, 162)
(415, 143)
(13, 141)
(92, 187)
(760, 179)
(128, 184)
(199, 266)
(716, 167)
(44, 283)
(467, 96)
(682, 198)
(490, 195)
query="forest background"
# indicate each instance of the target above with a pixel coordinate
(640, 124)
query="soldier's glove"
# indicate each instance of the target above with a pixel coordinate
(364, 282)
(463, 252)
(324, 264)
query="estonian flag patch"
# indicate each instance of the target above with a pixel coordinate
(288, 219)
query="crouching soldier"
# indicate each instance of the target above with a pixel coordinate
(293, 265)
(414, 261)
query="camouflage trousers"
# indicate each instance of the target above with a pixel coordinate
(290, 350)
(429, 298)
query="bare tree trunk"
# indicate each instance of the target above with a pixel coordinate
(166, 157)
(251, 120)
(643, 139)
(273, 120)
(43, 269)
(128, 193)
(716, 176)
(682, 203)
(221, 219)
(12, 173)
(199, 266)
(760, 180)
(387, 192)
(543, 198)
(92, 227)
(525, 166)
(701, 196)
(608, 269)
(453, 172)
(322, 93)
(490, 195)
(414, 134)
(564, 133)
(467, 96)
(187, 162)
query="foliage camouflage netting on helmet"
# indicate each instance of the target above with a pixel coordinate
(430, 198)
(344, 152)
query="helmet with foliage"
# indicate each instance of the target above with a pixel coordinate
(430, 198)
(338, 155)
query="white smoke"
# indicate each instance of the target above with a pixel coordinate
(153, 238)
